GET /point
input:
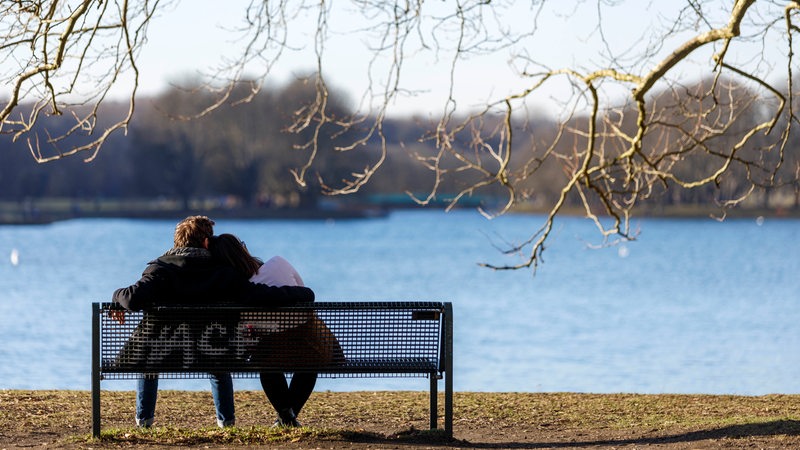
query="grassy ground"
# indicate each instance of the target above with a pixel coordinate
(62, 419)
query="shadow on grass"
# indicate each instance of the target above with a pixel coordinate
(429, 438)
(743, 431)
(263, 436)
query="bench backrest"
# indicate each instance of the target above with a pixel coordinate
(330, 338)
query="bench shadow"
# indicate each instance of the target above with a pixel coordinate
(414, 437)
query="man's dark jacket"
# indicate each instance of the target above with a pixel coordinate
(189, 276)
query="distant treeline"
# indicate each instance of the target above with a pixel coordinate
(241, 153)
(245, 155)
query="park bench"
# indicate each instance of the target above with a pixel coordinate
(333, 339)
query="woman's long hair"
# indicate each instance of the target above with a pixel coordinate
(229, 250)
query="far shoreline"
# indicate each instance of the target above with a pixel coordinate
(57, 210)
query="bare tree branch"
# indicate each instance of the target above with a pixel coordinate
(63, 56)
(630, 124)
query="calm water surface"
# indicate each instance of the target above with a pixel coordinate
(693, 306)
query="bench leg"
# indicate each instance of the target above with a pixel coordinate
(448, 403)
(95, 408)
(434, 401)
(95, 370)
(448, 372)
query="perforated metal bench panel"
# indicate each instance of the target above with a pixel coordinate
(333, 339)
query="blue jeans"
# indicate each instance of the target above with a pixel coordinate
(221, 390)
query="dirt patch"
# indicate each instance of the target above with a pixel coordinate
(339, 420)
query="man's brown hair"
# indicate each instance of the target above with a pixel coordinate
(193, 231)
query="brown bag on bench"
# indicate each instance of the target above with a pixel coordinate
(310, 344)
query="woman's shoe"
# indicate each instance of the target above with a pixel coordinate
(286, 418)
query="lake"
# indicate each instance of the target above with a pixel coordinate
(692, 306)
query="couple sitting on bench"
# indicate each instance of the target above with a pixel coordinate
(203, 269)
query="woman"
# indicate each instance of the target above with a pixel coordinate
(287, 399)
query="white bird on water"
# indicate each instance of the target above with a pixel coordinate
(14, 257)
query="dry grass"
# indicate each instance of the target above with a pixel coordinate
(62, 419)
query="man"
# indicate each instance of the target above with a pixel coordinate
(187, 275)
